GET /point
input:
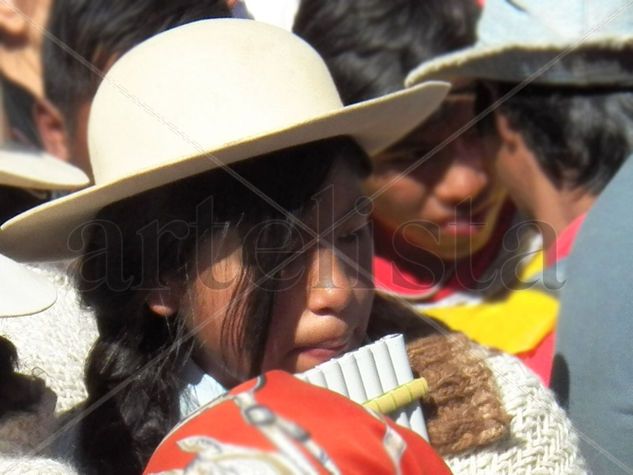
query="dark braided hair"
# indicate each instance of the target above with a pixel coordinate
(135, 243)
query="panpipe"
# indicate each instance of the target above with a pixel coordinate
(371, 372)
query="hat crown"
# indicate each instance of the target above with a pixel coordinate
(140, 120)
(510, 22)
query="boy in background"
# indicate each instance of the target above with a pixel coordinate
(447, 238)
(559, 80)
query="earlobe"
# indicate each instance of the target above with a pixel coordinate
(164, 301)
(51, 128)
(12, 22)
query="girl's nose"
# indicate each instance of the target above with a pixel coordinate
(331, 286)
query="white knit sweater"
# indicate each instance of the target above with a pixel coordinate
(542, 440)
(53, 346)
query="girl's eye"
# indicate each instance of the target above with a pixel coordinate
(354, 235)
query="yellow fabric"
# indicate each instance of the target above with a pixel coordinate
(515, 325)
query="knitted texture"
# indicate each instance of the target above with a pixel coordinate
(468, 385)
(53, 346)
(33, 466)
(542, 439)
(464, 409)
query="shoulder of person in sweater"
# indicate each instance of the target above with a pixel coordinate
(486, 411)
(541, 439)
(53, 345)
(34, 466)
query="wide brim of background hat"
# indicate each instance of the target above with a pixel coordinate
(23, 167)
(23, 292)
(201, 96)
(596, 63)
(558, 42)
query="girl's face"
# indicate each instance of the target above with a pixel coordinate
(322, 307)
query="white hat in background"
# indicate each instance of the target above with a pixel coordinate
(23, 167)
(555, 42)
(23, 292)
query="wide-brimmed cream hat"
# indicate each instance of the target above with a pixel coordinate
(23, 167)
(22, 291)
(554, 42)
(200, 96)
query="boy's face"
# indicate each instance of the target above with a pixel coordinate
(21, 25)
(65, 136)
(515, 164)
(448, 203)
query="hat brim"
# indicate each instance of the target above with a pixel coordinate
(52, 231)
(21, 167)
(539, 63)
(23, 291)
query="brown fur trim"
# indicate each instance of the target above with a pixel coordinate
(464, 410)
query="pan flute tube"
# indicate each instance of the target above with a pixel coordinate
(314, 376)
(400, 360)
(368, 373)
(387, 375)
(351, 374)
(334, 377)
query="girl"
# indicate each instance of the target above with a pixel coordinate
(194, 268)
(227, 235)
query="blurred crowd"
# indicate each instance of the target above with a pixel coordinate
(200, 197)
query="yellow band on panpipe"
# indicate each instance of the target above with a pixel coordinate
(399, 397)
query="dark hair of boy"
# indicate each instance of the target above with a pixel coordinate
(371, 45)
(579, 135)
(95, 32)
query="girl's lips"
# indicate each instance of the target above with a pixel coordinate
(323, 352)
